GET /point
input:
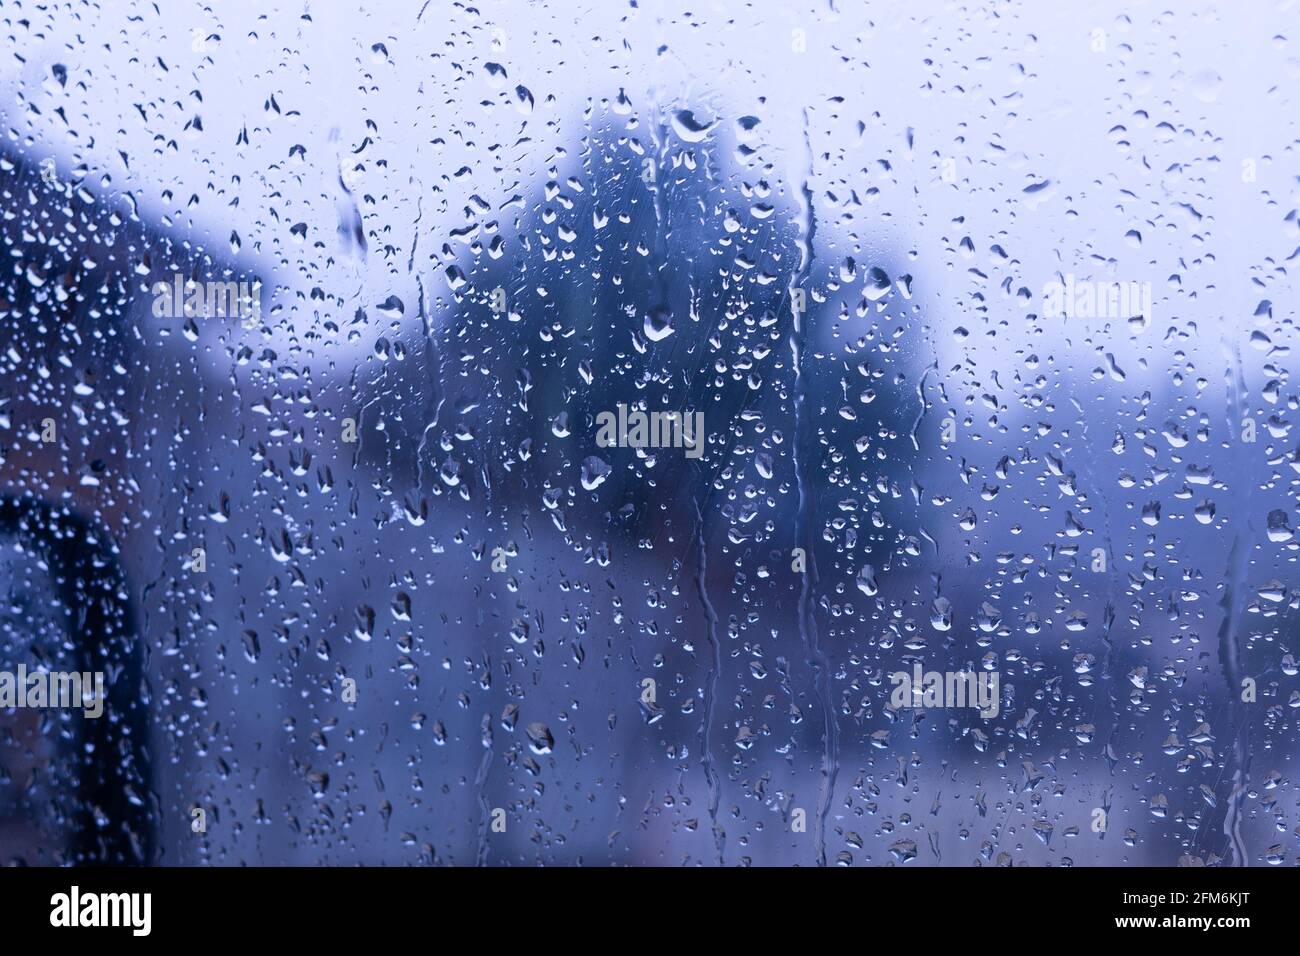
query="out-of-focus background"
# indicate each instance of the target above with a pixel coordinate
(373, 594)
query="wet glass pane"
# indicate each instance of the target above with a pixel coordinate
(765, 434)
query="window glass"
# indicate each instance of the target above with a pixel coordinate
(633, 433)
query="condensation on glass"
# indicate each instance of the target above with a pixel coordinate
(512, 434)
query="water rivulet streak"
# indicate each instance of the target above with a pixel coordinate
(711, 691)
(1229, 651)
(813, 653)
